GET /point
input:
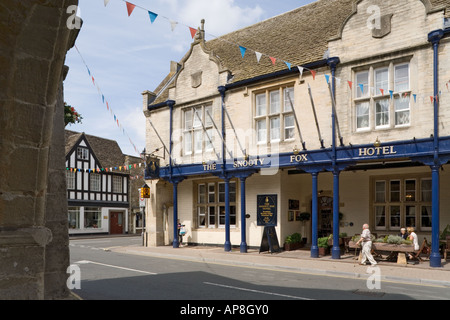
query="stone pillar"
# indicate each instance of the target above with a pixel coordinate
(35, 39)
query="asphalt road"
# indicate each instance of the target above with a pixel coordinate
(107, 275)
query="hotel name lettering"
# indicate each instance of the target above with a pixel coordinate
(377, 151)
(237, 164)
(297, 158)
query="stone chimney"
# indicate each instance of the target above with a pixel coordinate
(149, 97)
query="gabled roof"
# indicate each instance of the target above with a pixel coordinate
(299, 37)
(107, 151)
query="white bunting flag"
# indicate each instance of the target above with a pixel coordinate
(106, 2)
(258, 55)
(173, 25)
(301, 70)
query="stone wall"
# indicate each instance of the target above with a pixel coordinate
(34, 254)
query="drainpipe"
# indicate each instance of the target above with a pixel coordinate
(171, 103)
(336, 251)
(435, 258)
(225, 177)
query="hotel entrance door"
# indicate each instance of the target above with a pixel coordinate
(325, 224)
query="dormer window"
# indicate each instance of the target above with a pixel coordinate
(82, 153)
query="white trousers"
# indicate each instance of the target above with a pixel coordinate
(367, 253)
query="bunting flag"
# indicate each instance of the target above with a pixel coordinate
(301, 69)
(153, 16)
(173, 25)
(350, 84)
(415, 98)
(313, 74)
(288, 65)
(193, 32)
(130, 7)
(327, 77)
(243, 50)
(258, 56)
(361, 86)
(391, 93)
(382, 92)
(274, 60)
(106, 2)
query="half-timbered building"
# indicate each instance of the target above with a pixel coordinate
(97, 185)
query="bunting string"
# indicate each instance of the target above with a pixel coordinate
(120, 168)
(274, 60)
(105, 101)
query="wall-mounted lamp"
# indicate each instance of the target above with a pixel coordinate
(377, 143)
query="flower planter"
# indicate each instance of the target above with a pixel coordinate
(292, 246)
(324, 251)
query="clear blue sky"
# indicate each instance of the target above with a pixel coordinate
(128, 55)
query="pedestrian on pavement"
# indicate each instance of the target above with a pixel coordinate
(181, 232)
(366, 240)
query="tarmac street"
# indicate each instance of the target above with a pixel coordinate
(120, 268)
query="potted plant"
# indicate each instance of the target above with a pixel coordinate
(324, 248)
(293, 242)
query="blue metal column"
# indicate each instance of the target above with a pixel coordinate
(227, 215)
(336, 251)
(314, 216)
(243, 217)
(176, 243)
(435, 258)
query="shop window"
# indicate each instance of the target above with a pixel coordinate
(92, 218)
(211, 204)
(74, 217)
(402, 202)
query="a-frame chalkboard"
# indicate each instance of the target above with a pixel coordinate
(269, 241)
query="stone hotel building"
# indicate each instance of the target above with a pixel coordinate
(340, 109)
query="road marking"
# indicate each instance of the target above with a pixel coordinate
(116, 267)
(256, 291)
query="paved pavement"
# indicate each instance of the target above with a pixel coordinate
(300, 261)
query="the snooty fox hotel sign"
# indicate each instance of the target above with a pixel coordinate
(298, 158)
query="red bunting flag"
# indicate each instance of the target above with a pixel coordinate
(382, 92)
(93, 81)
(130, 7)
(313, 74)
(107, 105)
(432, 99)
(274, 60)
(350, 84)
(193, 32)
